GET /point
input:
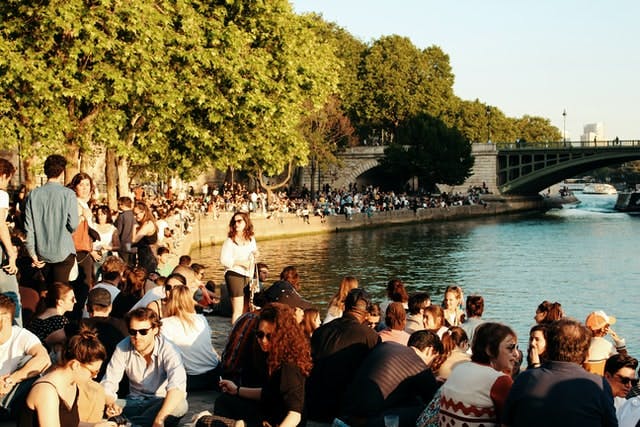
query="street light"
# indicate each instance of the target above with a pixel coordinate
(488, 111)
(564, 125)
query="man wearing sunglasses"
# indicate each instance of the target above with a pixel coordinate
(620, 372)
(157, 378)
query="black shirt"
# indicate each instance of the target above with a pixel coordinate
(337, 348)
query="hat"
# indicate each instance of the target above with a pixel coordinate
(99, 296)
(284, 293)
(598, 320)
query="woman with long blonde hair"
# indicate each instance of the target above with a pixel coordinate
(191, 334)
(336, 305)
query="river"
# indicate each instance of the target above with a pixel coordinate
(584, 258)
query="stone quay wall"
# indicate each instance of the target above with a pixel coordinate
(208, 231)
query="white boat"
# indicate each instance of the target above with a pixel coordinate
(599, 188)
(574, 184)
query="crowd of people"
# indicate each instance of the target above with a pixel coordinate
(99, 328)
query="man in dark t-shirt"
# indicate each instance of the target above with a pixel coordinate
(338, 348)
(393, 380)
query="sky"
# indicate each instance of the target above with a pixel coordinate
(535, 57)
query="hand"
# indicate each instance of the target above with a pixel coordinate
(96, 255)
(11, 267)
(37, 263)
(228, 387)
(6, 384)
(112, 409)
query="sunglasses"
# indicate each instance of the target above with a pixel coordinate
(143, 332)
(262, 335)
(627, 380)
(91, 371)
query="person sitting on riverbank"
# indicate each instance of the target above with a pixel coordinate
(477, 391)
(396, 320)
(338, 349)
(415, 318)
(536, 353)
(474, 309)
(455, 346)
(336, 305)
(548, 311)
(394, 380)
(434, 320)
(396, 292)
(452, 306)
(600, 349)
(620, 372)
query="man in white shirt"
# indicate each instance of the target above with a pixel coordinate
(22, 359)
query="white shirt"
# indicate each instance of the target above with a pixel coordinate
(193, 343)
(232, 252)
(152, 295)
(13, 353)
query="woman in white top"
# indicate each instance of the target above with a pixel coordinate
(239, 252)
(336, 305)
(191, 334)
(108, 232)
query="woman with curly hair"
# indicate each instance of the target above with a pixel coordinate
(238, 256)
(287, 363)
(336, 305)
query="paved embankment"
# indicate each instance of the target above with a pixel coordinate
(208, 231)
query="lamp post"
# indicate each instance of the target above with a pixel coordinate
(488, 111)
(564, 125)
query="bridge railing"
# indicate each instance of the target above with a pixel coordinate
(614, 143)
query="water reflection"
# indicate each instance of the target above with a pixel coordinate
(584, 258)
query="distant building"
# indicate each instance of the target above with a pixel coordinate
(593, 132)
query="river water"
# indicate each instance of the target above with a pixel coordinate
(584, 257)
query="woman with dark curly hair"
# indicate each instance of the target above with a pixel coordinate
(548, 311)
(238, 256)
(287, 363)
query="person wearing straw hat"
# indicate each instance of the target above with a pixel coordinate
(600, 349)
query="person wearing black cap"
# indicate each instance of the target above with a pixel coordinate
(283, 292)
(338, 349)
(111, 330)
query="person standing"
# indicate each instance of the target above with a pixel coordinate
(125, 222)
(238, 255)
(145, 237)
(51, 215)
(82, 185)
(8, 252)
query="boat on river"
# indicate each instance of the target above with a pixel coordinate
(599, 188)
(628, 201)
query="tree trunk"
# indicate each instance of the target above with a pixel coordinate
(73, 162)
(29, 176)
(122, 167)
(111, 177)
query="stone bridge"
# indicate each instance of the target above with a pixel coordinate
(511, 169)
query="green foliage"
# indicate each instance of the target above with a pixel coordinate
(429, 149)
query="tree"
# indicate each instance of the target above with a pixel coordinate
(430, 150)
(328, 131)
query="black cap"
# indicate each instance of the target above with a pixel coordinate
(99, 296)
(284, 293)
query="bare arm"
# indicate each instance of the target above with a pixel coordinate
(173, 398)
(147, 229)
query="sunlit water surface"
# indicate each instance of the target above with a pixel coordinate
(585, 258)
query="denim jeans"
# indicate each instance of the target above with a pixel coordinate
(141, 411)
